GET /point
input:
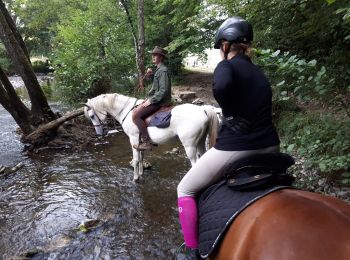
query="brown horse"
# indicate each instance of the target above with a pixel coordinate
(289, 224)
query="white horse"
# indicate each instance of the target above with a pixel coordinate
(191, 123)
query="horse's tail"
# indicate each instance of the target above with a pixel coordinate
(213, 126)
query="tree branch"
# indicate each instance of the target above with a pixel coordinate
(45, 133)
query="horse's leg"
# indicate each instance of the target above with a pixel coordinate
(136, 164)
(194, 149)
(201, 147)
(191, 152)
(140, 163)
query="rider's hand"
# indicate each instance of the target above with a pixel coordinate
(149, 72)
(146, 103)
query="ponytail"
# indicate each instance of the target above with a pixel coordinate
(243, 48)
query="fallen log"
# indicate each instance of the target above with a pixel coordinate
(45, 133)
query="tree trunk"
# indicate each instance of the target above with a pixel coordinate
(40, 109)
(139, 42)
(12, 25)
(13, 104)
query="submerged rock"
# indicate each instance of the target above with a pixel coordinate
(87, 224)
(30, 253)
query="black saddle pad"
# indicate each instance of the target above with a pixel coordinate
(218, 206)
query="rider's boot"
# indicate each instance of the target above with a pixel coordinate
(189, 224)
(145, 144)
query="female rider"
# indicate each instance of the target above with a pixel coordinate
(244, 94)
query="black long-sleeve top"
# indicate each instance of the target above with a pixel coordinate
(243, 91)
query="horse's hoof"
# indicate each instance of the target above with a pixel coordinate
(136, 180)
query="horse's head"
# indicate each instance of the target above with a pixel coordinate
(97, 116)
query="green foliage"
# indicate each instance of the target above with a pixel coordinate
(92, 44)
(91, 51)
(295, 78)
(48, 91)
(37, 21)
(322, 138)
(174, 25)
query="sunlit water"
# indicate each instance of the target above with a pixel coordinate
(42, 204)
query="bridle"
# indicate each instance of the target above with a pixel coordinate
(103, 124)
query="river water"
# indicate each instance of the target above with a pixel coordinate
(42, 204)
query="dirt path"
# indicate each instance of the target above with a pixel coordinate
(199, 82)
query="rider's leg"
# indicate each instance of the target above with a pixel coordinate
(208, 169)
(138, 118)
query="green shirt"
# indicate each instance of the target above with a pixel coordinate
(160, 92)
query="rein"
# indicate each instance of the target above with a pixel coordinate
(132, 108)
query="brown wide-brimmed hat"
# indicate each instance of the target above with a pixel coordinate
(160, 51)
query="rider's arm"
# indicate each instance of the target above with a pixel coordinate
(223, 81)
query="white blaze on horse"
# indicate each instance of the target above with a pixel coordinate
(191, 123)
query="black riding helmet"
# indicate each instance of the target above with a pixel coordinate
(234, 29)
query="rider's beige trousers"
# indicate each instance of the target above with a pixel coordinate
(210, 167)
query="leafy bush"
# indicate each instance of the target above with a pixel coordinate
(48, 90)
(321, 138)
(295, 78)
(321, 135)
(40, 66)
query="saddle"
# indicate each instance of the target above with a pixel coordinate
(244, 182)
(160, 118)
(259, 170)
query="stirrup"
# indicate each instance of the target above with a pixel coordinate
(195, 252)
(178, 250)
